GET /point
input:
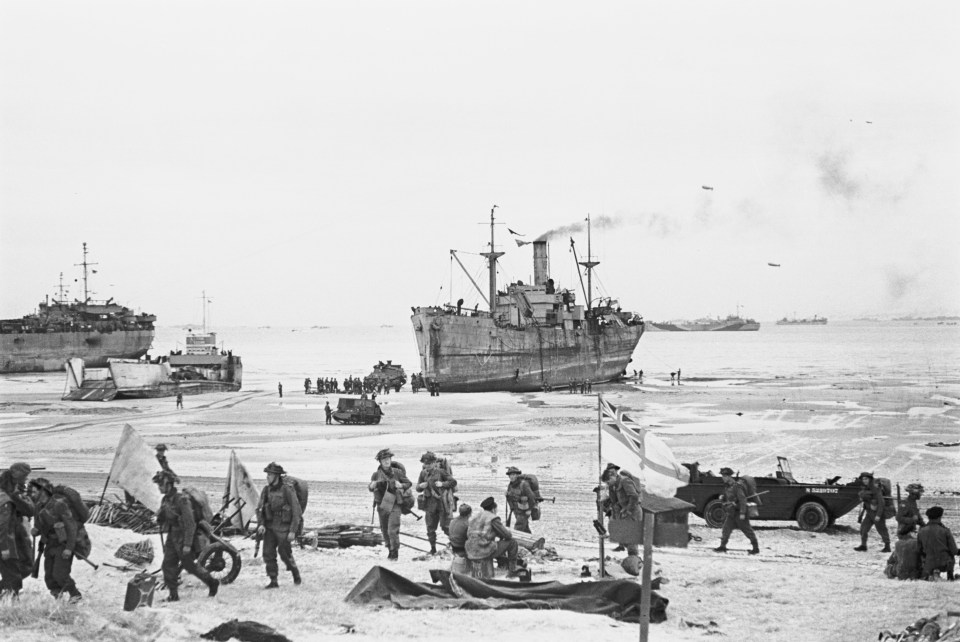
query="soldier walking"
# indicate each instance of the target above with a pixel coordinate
(279, 516)
(873, 512)
(63, 536)
(16, 550)
(909, 512)
(624, 498)
(175, 517)
(520, 498)
(437, 486)
(386, 484)
(735, 505)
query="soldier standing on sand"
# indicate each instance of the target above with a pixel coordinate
(278, 515)
(624, 499)
(520, 498)
(873, 510)
(175, 517)
(328, 412)
(16, 550)
(735, 505)
(386, 484)
(62, 534)
(435, 484)
(280, 389)
(909, 513)
(180, 400)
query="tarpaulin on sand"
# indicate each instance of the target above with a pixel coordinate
(240, 492)
(619, 599)
(133, 467)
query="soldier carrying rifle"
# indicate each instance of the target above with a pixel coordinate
(735, 504)
(62, 536)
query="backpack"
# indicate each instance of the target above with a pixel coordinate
(534, 484)
(80, 511)
(199, 503)
(300, 489)
(750, 489)
(887, 488)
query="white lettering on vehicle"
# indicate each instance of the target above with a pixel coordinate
(823, 490)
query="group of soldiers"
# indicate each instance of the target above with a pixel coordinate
(473, 536)
(61, 532)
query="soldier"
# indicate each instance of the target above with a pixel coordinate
(484, 530)
(624, 499)
(872, 513)
(437, 487)
(909, 512)
(735, 505)
(278, 514)
(179, 401)
(904, 561)
(62, 534)
(937, 546)
(520, 498)
(328, 411)
(387, 484)
(16, 550)
(175, 517)
(458, 531)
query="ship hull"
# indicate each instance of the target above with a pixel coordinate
(704, 327)
(474, 354)
(47, 352)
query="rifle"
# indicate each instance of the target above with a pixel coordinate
(509, 515)
(256, 549)
(81, 557)
(899, 501)
(35, 573)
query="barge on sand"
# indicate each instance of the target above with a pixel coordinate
(533, 336)
(94, 331)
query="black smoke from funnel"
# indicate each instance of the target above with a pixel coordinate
(656, 223)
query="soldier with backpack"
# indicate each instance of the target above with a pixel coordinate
(388, 485)
(436, 485)
(624, 500)
(874, 511)
(16, 551)
(521, 499)
(175, 518)
(279, 515)
(61, 531)
(735, 505)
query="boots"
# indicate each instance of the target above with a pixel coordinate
(173, 595)
(721, 549)
(273, 583)
(296, 575)
(860, 548)
(755, 550)
(74, 595)
(433, 543)
(886, 547)
(394, 554)
(214, 586)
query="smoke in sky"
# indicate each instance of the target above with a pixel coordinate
(655, 223)
(835, 175)
(900, 282)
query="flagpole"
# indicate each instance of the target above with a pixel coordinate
(603, 572)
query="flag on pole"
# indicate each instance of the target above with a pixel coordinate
(240, 492)
(521, 243)
(133, 467)
(639, 451)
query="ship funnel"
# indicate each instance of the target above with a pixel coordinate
(541, 263)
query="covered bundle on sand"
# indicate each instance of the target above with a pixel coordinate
(619, 599)
(342, 536)
(136, 517)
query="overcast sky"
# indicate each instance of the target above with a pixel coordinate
(313, 163)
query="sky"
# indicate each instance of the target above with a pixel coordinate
(313, 163)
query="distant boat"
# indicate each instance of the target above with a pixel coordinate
(733, 323)
(795, 321)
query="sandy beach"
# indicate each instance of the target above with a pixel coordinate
(803, 586)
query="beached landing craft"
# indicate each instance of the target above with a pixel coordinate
(532, 336)
(91, 330)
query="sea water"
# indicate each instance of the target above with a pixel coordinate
(913, 351)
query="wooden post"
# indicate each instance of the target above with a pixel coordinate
(105, 484)
(648, 519)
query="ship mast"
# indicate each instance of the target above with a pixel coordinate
(86, 296)
(492, 256)
(589, 264)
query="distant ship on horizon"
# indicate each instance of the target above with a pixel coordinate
(732, 323)
(795, 321)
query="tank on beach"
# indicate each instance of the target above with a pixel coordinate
(532, 336)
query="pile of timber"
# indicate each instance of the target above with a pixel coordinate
(137, 518)
(342, 536)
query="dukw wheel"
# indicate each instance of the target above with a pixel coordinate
(714, 514)
(812, 516)
(221, 561)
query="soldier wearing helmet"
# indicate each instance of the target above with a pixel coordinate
(62, 535)
(520, 498)
(278, 514)
(16, 550)
(175, 517)
(437, 487)
(871, 494)
(387, 484)
(735, 505)
(909, 512)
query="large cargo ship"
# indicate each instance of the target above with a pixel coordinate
(795, 321)
(533, 336)
(91, 330)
